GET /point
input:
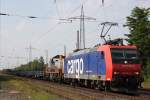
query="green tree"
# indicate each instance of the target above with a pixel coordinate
(139, 26)
(41, 61)
(35, 65)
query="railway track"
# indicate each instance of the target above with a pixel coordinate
(80, 93)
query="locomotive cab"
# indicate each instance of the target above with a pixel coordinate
(54, 71)
(104, 67)
(122, 66)
(126, 67)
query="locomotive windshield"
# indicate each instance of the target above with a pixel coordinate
(130, 55)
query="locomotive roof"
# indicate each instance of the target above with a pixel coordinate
(58, 56)
(87, 50)
(83, 51)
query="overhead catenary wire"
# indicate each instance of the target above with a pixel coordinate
(45, 33)
(23, 16)
(37, 17)
(77, 8)
(51, 29)
(73, 11)
(82, 17)
(57, 10)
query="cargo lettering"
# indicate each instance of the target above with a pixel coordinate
(75, 67)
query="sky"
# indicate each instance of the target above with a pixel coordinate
(47, 32)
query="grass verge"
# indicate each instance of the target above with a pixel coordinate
(146, 84)
(29, 89)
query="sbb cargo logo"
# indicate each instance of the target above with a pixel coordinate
(75, 67)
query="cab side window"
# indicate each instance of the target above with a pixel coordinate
(102, 55)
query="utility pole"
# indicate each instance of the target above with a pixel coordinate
(0, 35)
(82, 19)
(30, 52)
(64, 50)
(19, 60)
(77, 45)
(82, 29)
(102, 2)
(46, 57)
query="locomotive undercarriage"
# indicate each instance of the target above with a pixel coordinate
(55, 77)
(125, 83)
(94, 84)
(121, 83)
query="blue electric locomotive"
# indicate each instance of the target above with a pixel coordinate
(104, 67)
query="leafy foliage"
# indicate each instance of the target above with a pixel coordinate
(35, 65)
(139, 26)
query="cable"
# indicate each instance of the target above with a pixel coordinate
(57, 10)
(35, 17)
(22, 16)
(78, 7)
(44, 34)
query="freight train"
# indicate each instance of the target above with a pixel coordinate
(105, 67)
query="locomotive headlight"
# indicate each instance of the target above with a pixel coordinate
(137, 73)
(108, 79)
(116, 73)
